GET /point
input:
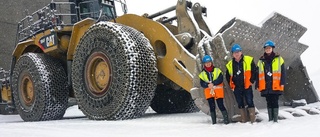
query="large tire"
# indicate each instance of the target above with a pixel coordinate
(127, 61)
(168, 100)
(39, 85)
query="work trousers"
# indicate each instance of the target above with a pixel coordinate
(245, 94)
(272, 100)
(212, 105)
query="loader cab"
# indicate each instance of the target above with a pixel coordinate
(99, 9)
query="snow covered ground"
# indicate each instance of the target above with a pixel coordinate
(197, 124)
(156, 125)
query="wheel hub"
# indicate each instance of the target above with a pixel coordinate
(27, 90)
(98, 73)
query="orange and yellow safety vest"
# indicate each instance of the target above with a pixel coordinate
(276, 74)
(219, 88)
(247, 60)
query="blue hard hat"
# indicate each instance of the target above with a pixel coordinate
(269, 43)
(236, 47)
(206, 58)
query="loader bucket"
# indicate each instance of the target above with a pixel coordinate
(284, 32)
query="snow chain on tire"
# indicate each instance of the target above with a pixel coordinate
(130, 68)
(39, 85)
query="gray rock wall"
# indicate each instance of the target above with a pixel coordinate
(12, 11)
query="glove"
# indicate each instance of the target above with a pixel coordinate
(212, 91)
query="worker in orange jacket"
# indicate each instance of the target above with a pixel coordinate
(271, 79)
(211, 79)
(241, 74)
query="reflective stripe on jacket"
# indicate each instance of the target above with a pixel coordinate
(247, 60)
(219, 88)
(276, 74)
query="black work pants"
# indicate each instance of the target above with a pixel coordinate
(272, 100)
(245, 94)
(212, 105)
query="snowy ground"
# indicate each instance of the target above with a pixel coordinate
(156, 125)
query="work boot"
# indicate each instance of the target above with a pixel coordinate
(213, 117)
(275, 114)
(243, 114)
(270, 114)
(225, 117)
(252, 114)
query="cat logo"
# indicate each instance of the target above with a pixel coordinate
(49, 41)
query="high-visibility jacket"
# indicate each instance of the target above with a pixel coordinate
(218, 88)
(247, 60)
(276, 74)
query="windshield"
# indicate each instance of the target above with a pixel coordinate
(89, 9)
(102, 8)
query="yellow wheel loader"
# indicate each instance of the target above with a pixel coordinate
(118, 66)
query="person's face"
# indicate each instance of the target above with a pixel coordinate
(237, 54)
(208, 64)
(268, 49)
